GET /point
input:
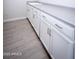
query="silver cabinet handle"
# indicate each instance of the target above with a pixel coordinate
(49, 32)
(43, 16)
(33, 15)
(58, 26)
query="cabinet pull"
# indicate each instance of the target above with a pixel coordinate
(33, 15)
(49, 32)
(58, 26)
(43, 16)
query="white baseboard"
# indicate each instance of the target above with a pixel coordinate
(13, 19)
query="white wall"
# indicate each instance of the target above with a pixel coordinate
(14, 9)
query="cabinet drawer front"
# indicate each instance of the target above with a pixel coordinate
(61, 26)
(64, 28)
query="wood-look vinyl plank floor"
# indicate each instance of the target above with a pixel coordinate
(19, 37)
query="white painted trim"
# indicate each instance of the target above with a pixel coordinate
(13, 19)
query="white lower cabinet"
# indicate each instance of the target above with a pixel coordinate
(57, 44)
(45, 33)
(36, 20)
(60, 46)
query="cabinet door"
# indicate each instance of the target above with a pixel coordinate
(36, 20)
(45, 33)
(61, 47)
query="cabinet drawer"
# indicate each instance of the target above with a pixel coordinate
(59, 25)
(64, 28)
